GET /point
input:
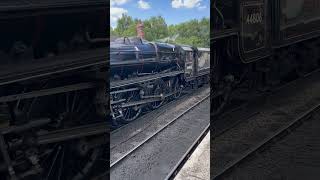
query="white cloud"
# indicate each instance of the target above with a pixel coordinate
(185, 3)
(118, 2)
(143, 5)
(176, 3)
(115, 14)
(202, 7)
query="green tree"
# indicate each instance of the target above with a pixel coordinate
(155, 28)
(112, 32)
(193, 32)
(125, 26)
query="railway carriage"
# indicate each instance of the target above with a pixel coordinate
(272, 40)
(53, 65)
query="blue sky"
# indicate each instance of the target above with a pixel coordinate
(174, 11)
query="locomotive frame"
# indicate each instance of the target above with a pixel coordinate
(53, 102)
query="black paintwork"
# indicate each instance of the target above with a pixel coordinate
(259, 26)
(47, 49)
(31, 31)
(134, 56)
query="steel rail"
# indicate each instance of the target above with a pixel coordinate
(249, 115)
(113, 164)
(187, 154)
(285, 130)
(183, 95)
(149, 113)
(217, 132)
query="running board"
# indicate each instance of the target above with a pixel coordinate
(122, 83)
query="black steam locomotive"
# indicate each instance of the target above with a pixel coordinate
(146, 74)
(52, 89)
(264, 42)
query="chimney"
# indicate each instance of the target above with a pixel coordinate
(140, 32)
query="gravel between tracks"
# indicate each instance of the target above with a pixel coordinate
(129, 136)
(295, 156)
(276, 111)
(155, 159)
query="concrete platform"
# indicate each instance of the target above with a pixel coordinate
(198, 165)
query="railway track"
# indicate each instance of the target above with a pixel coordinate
(234, 115)
(186, 156)
(270, 139)
(151, 112)
(165, 130)
(270, 119)
(140, 125)
(156, 133)
(294, 156)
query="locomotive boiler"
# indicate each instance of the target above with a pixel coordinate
(262, 41)
(52, 89)
(133, 57)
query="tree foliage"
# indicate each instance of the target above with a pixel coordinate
(125, 26)
(193, 32)
(155, 28)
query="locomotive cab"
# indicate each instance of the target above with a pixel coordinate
(244, 23)
(203, 61)
(253, 30)
(197, 62)
(188, 55)
(289, 23)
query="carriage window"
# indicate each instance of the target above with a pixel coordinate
(203, 59)
(301, 10)
(189, 57)
(204, 56)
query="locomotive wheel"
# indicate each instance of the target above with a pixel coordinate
(177, 89)
(116, 109)
(65, 160)
(221, 88)
(219, 100)
(131, 113)
(73, 160)
(159, 89)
